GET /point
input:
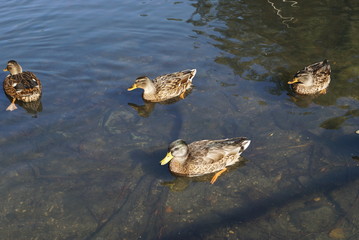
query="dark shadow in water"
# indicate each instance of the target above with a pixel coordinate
(337, 122)
(150, 162)
(180, 183)
(326, 184)
(344, 145)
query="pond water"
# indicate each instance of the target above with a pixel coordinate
(84, 162)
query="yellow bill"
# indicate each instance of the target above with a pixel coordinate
(134, 86)
(295, 80)
(5, 70)
(168, 158)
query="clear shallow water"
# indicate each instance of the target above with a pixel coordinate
(86, 166)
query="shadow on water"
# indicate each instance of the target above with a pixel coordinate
(150, 162)
(337, 122)
(255, 209)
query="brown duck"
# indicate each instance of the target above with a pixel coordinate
(165, 87)
(312, 79)
(21, 86)
(205, 156)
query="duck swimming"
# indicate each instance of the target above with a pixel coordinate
(21, 86)
(312, 79)
(166, 86)
(205, 156)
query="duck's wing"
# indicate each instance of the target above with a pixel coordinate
(321, 72)
(216, 151)
(29, 80)
(173, 84)
(319, 68)
(204, 153)
(176, 77)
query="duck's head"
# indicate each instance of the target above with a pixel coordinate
(13, 67)
(177, 149)
(302, 77)
(141, 82)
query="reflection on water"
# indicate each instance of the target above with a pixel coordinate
(285, 19)
(180, 183)
(88, 167)
(146, 109)
(32, 108)
(143, 110)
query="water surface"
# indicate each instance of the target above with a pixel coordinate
(85, 163)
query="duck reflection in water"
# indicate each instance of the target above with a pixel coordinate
(180, 183)
(32, 108)
(147, 108)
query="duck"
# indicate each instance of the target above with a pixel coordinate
(21, 86)
(166, 86)
(205, 156)
(313, 79)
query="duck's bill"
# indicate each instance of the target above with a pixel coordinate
(295, 80)
(134, 86)
(167, 158)
(5, 70)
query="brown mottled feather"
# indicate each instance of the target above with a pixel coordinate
(30, 91)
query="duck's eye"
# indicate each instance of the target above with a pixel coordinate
(176, 149)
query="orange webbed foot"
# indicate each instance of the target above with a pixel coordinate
(324, 91)
(11, 107)
(216, 176)
(182, 95)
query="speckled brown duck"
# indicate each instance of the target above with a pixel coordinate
(21, 86)
(205, 156)
(166, 86)
(313, 79)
